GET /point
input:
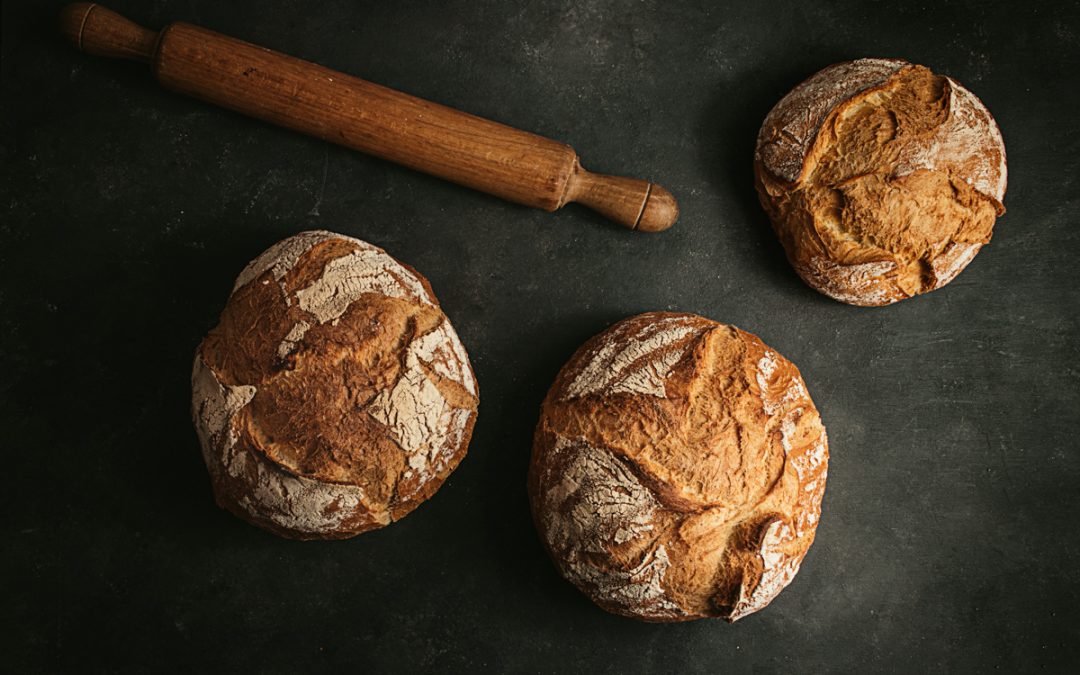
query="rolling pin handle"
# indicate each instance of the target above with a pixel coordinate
(633, 203)
(93, 29)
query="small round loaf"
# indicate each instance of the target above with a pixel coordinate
(882, 179)
(334, 395)
(678, 469)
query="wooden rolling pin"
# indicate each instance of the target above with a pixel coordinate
(484, 155)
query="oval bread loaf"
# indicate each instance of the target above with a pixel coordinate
(678, 469)
(882, 179)
(334, 395)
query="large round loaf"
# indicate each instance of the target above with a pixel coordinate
(678, 469)
(882, 179)
(334, 395)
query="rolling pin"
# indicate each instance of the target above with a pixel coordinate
(509, 163)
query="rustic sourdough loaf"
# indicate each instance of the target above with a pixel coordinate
(882, 179)
(334, 395)
(678, 469)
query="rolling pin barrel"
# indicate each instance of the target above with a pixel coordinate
(509, 163)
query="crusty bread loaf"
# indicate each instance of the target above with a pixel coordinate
(334, 395)
(678, 469)
(882, 179)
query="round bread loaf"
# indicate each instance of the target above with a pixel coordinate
(678, 469)
(334, 395)
(882, 179)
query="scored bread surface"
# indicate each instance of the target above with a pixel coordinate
(678, 469)
(334, 395)
(882, 179)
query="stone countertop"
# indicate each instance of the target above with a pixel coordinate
(949, 535)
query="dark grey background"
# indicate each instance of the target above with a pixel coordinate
(949, 539)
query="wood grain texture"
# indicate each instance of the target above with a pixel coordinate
(494, 158)
(98, 31)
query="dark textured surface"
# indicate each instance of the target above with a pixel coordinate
(949, 538)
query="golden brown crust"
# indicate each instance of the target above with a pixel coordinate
(334, 396)
(881, 179)
(678, 469)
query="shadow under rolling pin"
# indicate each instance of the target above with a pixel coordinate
(509, 163)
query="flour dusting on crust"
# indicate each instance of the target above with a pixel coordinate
(295, 502)
(772, 401)
(292, 338)
(442, 350)
(290, 501)
(952, 261)
(345, 279)
(798, 116)
(961, 142)
(778, 571)
(637, 363)
(597, 503)
(907, 206)
(416, 415)
(859, 284)
(808, 463)
(282, 256)
(215, 404)
(782, 404)
(609, 476)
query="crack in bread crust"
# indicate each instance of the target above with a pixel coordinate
(698, 501)
(882, 179)
(334, 396)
